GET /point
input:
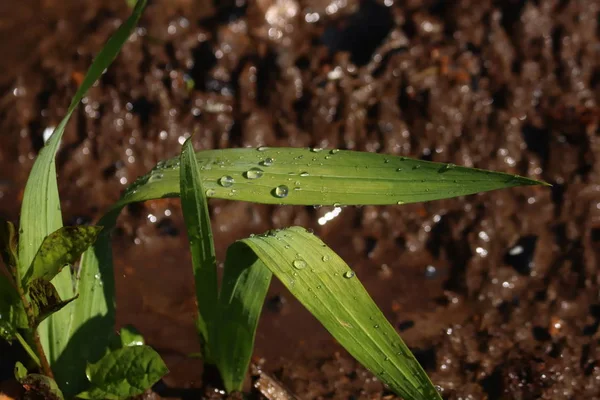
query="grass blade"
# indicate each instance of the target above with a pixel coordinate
(41, 215)
(326, 177)
(245, 284)
(328, 288)
(204, 261)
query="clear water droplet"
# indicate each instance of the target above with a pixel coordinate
(262, 148)
(267, 162)
(316, 149)
(417, 166)
(439, 389)
(399, 169)
(349, 274)
(386, 161)
(253, 173)
(399, 202)
(226, 181)
(304, 173)
(299, 264)
(337, 205)
(155, 178)
(325, 258)
(210, 192)
(334, 151)
(287, 246)
(281, 191)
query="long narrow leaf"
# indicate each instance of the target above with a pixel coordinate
(41, 215)
(197, 221)
(329, 289)
(326, 177)
(245, 284)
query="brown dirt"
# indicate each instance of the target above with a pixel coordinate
(498, 293)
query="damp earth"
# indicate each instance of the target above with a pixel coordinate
(497, 293)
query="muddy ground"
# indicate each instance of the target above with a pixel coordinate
(498, 294)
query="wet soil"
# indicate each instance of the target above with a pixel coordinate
(497, 294)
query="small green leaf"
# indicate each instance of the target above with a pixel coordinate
(60, 248)
(124, 373)
(20, 371)
(45, 300)
(41, 387)
(131, 336)
(8, 243)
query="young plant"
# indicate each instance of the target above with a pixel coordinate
(39, 304)
(319, 278)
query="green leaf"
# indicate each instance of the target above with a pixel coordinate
(124, 373)
(131, 337)
(8, 244)
(245, 284)
(41, 387)
(12, 313)
(197, 221)
(60, 248)
(20, 371)
(45, 300)
(329, 289)
(40, 216)
(327, 177)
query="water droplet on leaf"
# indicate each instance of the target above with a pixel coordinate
(210, 192)
(349, 274)
(226, 181)
(280, 191)
(267, 162)
(304, 173)
(253, 173)
(299, 264)
(262, 148)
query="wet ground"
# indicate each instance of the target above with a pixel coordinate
(498, 294)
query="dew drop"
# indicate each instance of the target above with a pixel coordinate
(376, 326)
(325, 258)
(280, 191)
(417, 166)
(316, 149)
(155, 178)
(334, 151)
(386, 161)
(210, 192)
(262, 148)
(349, 274)
(336, 205)
(299, 264)
(226, 181)
(304, 173)
(399, 202)
(267, 162)
(253, 173)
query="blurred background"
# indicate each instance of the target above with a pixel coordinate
(497, 294)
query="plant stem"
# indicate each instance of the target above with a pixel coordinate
(29, 350)
(43, 360)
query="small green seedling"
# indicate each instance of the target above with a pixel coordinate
(319, 278)
(43, 304)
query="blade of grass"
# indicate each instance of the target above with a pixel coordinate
(245, 284)
(328, 288)
(197, 222)
(41, 215)
(326, 177)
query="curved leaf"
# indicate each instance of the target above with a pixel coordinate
(61, 247)
(329, 289)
